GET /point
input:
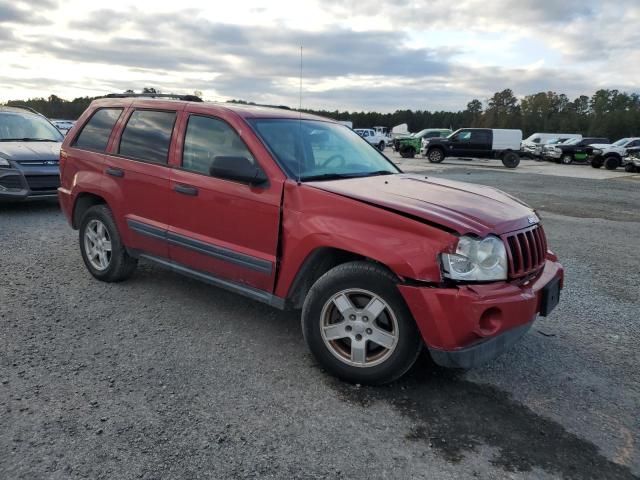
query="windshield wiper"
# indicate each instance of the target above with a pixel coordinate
(27, 139)
(375, 173)
(337, 176)
(325, 176)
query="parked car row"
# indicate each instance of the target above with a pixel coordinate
(568, 148)
(63, 125)
(573, 149)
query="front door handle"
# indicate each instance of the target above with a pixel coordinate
(186, 189)
(114, 172)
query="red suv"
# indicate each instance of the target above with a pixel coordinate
(300, 212)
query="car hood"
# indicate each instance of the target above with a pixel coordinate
(605, 145)
(455, 206)
(19, 151)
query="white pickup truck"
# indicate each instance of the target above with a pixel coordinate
(372, 136)
(611, 155)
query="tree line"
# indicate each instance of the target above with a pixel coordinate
(607, 113)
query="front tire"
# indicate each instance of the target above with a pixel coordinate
(358, 326)
(596, 162)
(381, 146)
(630, 168)
(435, 155)
(101, 247)
(611, 163)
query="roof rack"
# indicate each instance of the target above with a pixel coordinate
(186, 98)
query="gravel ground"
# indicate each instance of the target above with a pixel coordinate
(164, 377)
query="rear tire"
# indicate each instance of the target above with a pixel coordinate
(611, 163)
(511, 159)
(381, 146)
(435, 155)
(102, 250)
(407, 152)
(347, 311)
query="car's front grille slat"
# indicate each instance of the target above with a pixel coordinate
(43, 182)
(527, 251)
(11, 182)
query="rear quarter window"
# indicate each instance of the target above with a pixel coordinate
(96, 132)
(147, 136)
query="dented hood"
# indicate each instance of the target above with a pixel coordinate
(456, 206)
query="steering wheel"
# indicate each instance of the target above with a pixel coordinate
(337, 157)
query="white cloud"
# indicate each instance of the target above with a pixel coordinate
(384, 55)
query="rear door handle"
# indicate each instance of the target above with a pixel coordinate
(114, 172)
(186, 190)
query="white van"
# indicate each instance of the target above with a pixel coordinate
(532, 145)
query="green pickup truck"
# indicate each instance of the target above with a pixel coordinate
(409, 145)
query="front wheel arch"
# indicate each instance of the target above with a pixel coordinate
(316, 264)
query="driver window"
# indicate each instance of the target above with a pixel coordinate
(208, 138)
(464, 136)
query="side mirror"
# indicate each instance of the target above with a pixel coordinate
(238, 169)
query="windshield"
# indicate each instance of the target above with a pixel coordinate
(18, 126)
(316, 150)
(572, 141)
(621, 143)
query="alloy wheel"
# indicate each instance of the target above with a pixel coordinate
(359, 328)
(97, 245)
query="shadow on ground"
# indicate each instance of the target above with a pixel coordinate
(453, 416)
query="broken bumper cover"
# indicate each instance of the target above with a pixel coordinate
(467, 325)
(480, 352)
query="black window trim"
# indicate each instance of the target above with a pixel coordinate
(184, 141)
(142, 160)
(77, 135)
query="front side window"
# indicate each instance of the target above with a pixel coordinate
(26, 127)
(463, 136)
(147, 136)
(96, 132)
(207, 139)
(317, 150)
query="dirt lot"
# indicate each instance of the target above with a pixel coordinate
(163, 377)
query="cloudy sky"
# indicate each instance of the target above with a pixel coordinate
(358, 55)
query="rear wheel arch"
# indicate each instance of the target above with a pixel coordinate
(84, 201)
(316, 264)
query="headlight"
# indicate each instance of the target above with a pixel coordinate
(476, 260)
(597, 151)
(4, 163)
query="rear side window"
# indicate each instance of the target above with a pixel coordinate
(147, 136)
(482, 136)
(96, 132)
(208, 138)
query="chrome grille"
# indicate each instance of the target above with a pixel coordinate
(526, 250)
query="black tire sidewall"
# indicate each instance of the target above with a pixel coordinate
(611, 163)
(118, 252)
(374, 279)
(511, 160)
(429, 152)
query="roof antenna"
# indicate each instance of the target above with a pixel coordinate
(300, 120)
